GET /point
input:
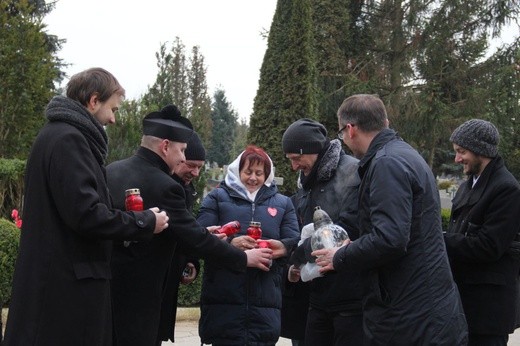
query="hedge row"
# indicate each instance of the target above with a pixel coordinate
(11, 185)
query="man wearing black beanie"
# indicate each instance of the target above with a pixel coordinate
(184, 266)
(328, 179)
(483, 224)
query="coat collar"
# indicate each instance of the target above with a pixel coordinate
(470, 195)
(377, 143)
(154, 159)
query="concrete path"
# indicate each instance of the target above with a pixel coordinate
(186, 334)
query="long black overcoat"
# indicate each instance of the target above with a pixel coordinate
(484, 221)
(61, 290)
(141, 269)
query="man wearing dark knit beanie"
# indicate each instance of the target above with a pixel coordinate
(304, 136)
(328, 179)
(185, 265)
(480, 239)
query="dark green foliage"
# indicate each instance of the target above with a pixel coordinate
(28, 68)
(200, 102)
(287, 87)
(125, 135)
(240, 139)
(9, 243)
(224, 120)
(445, 218)
(502, 106)
(11, 185)
(334, 54)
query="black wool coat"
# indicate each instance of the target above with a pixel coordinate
(181, 257)
(484, 221)
(61, 290)
(141, 269)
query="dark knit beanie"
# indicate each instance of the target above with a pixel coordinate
(479, 136)
(195, 150)
(304, 136)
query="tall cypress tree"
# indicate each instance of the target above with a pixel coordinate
(287, 86)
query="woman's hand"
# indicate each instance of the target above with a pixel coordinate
(244, 242)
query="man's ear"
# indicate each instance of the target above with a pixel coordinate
(93, 102)
(164, 146)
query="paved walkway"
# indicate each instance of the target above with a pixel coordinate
(186, 334)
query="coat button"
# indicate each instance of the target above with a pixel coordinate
(140, 223)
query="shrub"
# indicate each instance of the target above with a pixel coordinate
(9, 242)
(445, 216)
(11, 185)
(444, 184)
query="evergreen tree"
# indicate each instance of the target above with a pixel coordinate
(332, 40)
(28, 70)
(224, 120)
(200, 102)
(240, 140)
(125, 135)
(287, 86)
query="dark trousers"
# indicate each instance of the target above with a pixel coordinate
(334, 328)
(487, 340)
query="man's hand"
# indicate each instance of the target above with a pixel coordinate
(259, 258)
(189, 274)
(293, 275)
(244, 242)
(161, 220)
(213, 230)
(324, 258)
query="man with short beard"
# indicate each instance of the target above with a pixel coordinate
(483, 224)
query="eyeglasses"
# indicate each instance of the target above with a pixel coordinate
(340, 132)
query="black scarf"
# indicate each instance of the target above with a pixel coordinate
(69, 111)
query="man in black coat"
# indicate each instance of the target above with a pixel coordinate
(328, 179)
(185, 264)
(61, 288)
(483, 224)
(409, 297)
(140, 269)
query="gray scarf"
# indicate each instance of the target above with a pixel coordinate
(69, 111)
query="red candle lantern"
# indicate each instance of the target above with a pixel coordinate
(264, 244)
(229, 228)
(254, 230)
(133, 200)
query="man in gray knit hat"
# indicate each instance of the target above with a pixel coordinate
(483, 225)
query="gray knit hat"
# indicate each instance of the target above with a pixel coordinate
(304, 136)
(195, 149)
(478, 136)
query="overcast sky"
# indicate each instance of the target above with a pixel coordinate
(123, 36)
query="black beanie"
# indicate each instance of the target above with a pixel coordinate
(195, 150)
(478, 136)
(304, 136)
